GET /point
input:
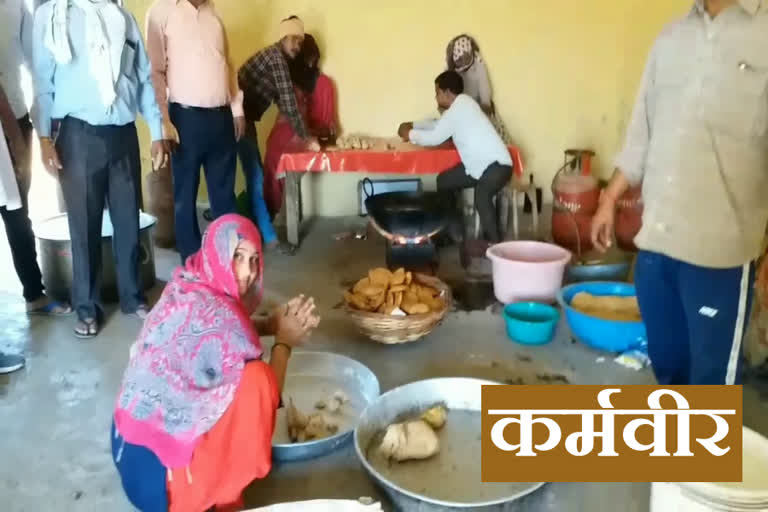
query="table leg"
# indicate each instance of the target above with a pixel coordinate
(515, 213)
(502, 206)
(535, 210)
(293, 205)
(301, 204)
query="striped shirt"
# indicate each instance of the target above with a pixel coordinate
(698, 138)
(266, 79)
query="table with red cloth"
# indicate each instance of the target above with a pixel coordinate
(387, 157)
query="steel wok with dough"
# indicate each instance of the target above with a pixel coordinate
(451, 478)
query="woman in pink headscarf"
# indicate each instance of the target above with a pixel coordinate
(316, 97)
(195, 414)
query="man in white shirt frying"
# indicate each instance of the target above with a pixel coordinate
(485, 164)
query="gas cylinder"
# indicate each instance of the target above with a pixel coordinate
(576, 197)
(629, 218)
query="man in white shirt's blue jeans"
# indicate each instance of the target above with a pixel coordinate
(486, 164)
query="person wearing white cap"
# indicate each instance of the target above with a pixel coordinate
(265, 79)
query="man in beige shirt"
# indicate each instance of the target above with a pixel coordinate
(698, 142)
(202, 107)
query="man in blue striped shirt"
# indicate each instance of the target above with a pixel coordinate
(92, 73)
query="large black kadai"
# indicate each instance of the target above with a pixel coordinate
(408, 221)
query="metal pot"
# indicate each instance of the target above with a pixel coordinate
(613, 266)
(597, 272)
(426, 486)
(55, 250)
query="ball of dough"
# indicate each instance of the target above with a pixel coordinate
(435, 416)
(334, 406)
(413, 440)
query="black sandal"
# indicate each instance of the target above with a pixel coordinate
(86, 329)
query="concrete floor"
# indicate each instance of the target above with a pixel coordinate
(55, 415)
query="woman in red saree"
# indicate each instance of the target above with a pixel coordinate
(316, 97)
(195, 414)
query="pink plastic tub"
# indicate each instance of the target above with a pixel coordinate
(527, 271)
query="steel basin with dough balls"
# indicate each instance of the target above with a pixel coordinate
(451, 479)
(312, 377)
(55, 250)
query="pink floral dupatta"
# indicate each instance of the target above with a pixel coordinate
(186, 365)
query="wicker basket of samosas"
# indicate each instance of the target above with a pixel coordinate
(397, 307)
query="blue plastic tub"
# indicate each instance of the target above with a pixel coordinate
(531, 323)
(609, 335)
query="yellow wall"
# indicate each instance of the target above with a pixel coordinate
(564, 72)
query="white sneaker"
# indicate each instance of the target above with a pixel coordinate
(10, 363)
